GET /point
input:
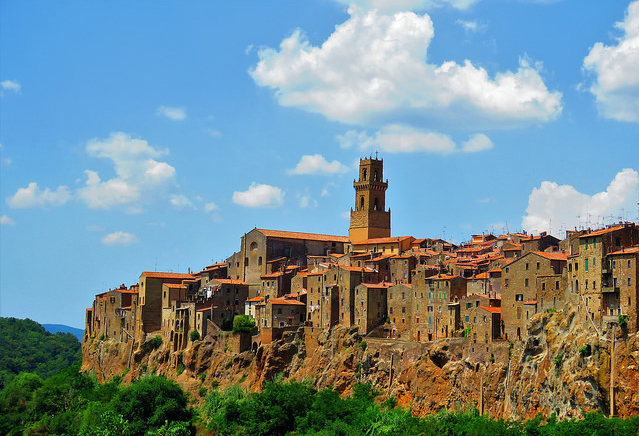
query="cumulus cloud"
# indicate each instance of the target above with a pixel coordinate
(33, 196)
(6, 221)
(172, 113)
(401, 138)
(259, 195)
(477, 142)
(137, 172)
(119, 238)
(616, 71)
(373, 70)
(180, 201)
(470, 26)
(10, 85)
(402, 5)
(316, 164)
(564, 206)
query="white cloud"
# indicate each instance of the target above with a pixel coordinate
(259, 195)
(316, 164)
(470, 26)
(372, 70)
(119, 238)
(139, 175)
(477, 142)
(180, 201)
(33, 196)
(616, 87)
(210, 207)
(305, 200)
(10, 85)
(563, 206)
(401, 138)
(6, 221)
(172, 113)
(403, 5)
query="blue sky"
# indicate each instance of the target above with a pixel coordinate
(150, 136)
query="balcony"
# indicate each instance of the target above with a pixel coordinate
(609, 289)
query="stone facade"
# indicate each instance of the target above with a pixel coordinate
(370, 219)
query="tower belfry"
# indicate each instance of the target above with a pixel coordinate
(369, 219)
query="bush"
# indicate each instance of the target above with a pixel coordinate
(623, 321)
(585, 351)
(180, 368)
(195, 335)
(156, 342)
(363, 344)
(243, 323)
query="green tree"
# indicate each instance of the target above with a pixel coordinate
(243, 323)
(148, 403)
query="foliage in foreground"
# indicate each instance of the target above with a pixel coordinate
(73, 403)
(297, 408)
(25, 346)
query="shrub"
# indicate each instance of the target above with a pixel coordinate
(243, 323)
(623, 321)
(558, 360)
(585, 351)
(202, 392)
(102, 337)
(156, 342)
(180, 368)
(467, 332)
(195, 335)
(363, 344)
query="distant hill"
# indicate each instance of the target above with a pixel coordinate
(61, 328)
(25, 346)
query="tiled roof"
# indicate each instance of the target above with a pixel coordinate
(491, 309)
(630, 250)
(306, 236)
(279, 259)
(272, 275)
(387, 240)
(531, 302)
(602, 231)
(481, 276)
(166, 275)
(441, 277)
(377, 285)
(255, 299)
(552, 256)
(175, 285)
(230, 281)
(285, 301)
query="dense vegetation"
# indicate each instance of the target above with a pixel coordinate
(73, 403)
(297, 408)
(25, 346)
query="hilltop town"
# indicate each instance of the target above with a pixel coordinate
(396, 287)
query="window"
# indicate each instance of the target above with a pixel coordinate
(537, 265)
(557, 285)
(586, 265)
(466, 318)
(519, 297)
(259, 260)
(364, 174)
(594, 261)
(526, 283)
(506, 282)
(391, 310)
(507, 269)
(594, 242)
(246, 262)
(543, 286)
(526, 266)
(570, 267)
(629, 281)
(618, 242)
(586, 243)
(403, 309)
(253, 246)
(628, 264)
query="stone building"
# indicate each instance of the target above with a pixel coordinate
(519, 288)
(401, 267)
(401, 308)
(620, 291)
(149, 313)
(370, 219)
(259, 246)
(370, 306)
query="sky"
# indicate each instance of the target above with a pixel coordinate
(150, 136)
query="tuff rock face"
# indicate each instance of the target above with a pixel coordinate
(561, 366)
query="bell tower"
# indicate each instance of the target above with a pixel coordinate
(369, 219)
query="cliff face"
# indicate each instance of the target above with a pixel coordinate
(562, 366)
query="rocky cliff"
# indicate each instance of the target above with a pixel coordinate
(562, 366)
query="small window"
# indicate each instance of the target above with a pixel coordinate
(526, 266)
(526, 283)
(537, 265)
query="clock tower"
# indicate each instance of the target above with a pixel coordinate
(369, 219)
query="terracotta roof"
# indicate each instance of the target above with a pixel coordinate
(602, 231)
(175, 285)
(285, 301)
(126, 308)
(377, 285)
(279, 259)
(491, 309)
(630, 250)
(230, 281)
(403, 256)
(441, 277)
(530, 302)
(255, 299)
(298, 235)
(272, 275)
(495, 270)
(382, 257)
(481, 276)
(552, 256)
(387, 240)
(355, 268)
(203, 309)
(337, 255)
(166, 275)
